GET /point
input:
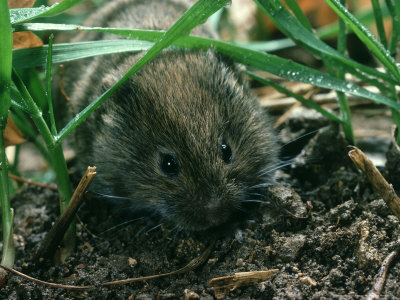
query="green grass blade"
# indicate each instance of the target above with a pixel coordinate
(34, 84)
(342, 39)
(48, 86)
(294, 71)
(36, 114)
(296, 10)
(7, 216)
(329, 31)
(33, 57)
(289, 93)
(26, 59)
(263, 61)
(268, 46)
(379, 22)
(366, 37)
(395, 14)
(20, 120)
(17, 100)
(365, 16)
(196, 15)
(339, 72)
(6, 62)
(151, 35)
(293, 29)
(19, 15)
(56, 157)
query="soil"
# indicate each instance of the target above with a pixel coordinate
(334, 253)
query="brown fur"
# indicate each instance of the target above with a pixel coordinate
(184, 103)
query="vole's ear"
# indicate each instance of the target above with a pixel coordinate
(237, 69)
(126, 96)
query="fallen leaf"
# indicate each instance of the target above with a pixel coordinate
(222, 285)
(318, 12)
(20, 3)
(26, 39)
(12, 135)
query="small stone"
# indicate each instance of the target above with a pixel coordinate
(308, 280)
(239, 262)
(290, 247)
(191, 295)
(295, 269)
(144, 297)
(80, 266)
(212, 261)
(167, 296)
(132, 262)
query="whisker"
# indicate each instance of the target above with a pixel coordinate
(252, 201)
(300, 137)
(153, 228)
(280, 166)
(261, 185)
(256, 194)
(120, 225)
(275, 165)
(139, 232)
(104, 196)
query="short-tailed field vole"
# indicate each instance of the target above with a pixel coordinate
(184, 138)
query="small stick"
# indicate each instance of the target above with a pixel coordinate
(381, 277)
(309, 208)
(286, 115)
(375, 177)
(57, 232)
(28, 181)
(62, 85)
(222, 285)
(49, 284)
(193, 264)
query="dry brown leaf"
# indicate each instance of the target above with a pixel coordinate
(222, 285)
(12, 135)
(20, 3)
(25, 39)
(318, 11)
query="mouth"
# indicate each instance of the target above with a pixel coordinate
(216, 224)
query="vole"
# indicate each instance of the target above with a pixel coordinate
(183, 138)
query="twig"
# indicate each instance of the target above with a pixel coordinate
(309, 207)
(222, 285)
(381, 276)
(286, 115)
(375, 177)
(28, 181)
(57, 232)
(62, 85)
(49, 284)
(193, 264)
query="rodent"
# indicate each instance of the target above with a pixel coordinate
(184, 137)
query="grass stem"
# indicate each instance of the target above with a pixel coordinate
(7, 214)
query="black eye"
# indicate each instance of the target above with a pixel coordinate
(226, 153)
(168, 164)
